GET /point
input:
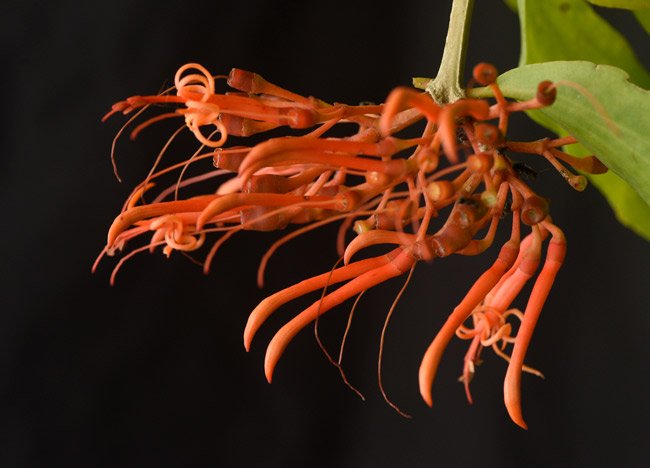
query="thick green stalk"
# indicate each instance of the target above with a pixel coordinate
(446, 87)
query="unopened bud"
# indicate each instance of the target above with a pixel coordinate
(485, 73)
(546, 93)
(245, 81)
(361, 226)
(377, 178)
(534, 210)
(488, 134)
(469, 210)
(578, 182)
(428, 160)
(440, 190)
(480, 163)
(489, 198)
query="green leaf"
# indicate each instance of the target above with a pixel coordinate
(625, 150)
(571, 30)
(626, 4)
(643, 17)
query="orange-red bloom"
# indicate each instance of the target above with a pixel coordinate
(390, 189)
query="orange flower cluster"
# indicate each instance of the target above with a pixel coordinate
(390, 190)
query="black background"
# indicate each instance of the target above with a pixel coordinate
(152, 372)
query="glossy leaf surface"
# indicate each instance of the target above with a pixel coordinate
(571, 30)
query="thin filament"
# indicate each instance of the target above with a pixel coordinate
(381, 343)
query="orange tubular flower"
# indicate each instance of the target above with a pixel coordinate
(388, 188)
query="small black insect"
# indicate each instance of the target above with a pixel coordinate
(524, 171)
(468, 201)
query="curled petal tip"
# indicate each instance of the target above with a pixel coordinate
(269, 367)
(249, 333)
(269, 373)
(515, 414)
(426, 381)
(518, 420)
(512, 398)
(271, 359)
(427, 398)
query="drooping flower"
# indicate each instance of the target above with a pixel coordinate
(368, 182)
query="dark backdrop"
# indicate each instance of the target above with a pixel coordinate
(152, 372)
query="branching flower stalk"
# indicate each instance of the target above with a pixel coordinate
(442, 193)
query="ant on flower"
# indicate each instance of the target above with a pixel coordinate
(367, 182)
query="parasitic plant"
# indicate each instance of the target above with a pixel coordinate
(444, 192)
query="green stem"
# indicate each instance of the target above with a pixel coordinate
(446, 87)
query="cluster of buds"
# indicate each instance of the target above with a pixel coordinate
(389, 190)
